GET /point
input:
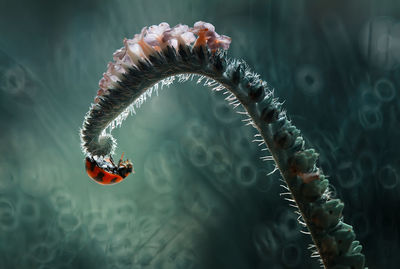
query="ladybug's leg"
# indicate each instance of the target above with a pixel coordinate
(112, 161)
(120, 160)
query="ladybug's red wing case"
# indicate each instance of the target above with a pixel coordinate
(99, 174)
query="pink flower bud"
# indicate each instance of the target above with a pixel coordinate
(201, 25)
(155, 34)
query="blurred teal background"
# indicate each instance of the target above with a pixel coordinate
(201, 197)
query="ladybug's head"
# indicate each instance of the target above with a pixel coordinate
(125, 168)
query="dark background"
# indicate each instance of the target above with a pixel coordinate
(200, 197)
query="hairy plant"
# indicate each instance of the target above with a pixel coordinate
(159, 56)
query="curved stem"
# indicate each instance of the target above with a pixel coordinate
(308, 187)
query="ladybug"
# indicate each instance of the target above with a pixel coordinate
(105, 172)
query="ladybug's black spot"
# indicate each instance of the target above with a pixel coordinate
(114, 179)
(89, 164)
(99, 177)
(92, 166)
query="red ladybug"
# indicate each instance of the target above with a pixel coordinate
(106, 172)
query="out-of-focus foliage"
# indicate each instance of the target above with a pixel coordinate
(201, 197)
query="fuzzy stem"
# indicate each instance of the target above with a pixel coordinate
(334, 240)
